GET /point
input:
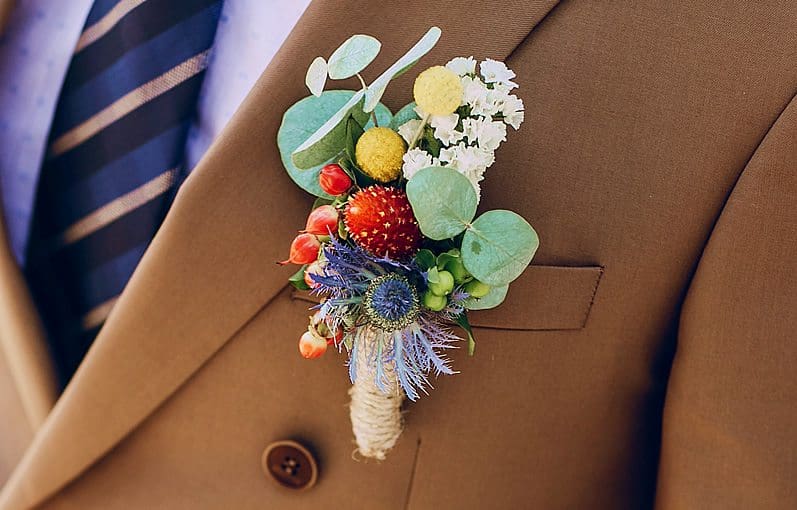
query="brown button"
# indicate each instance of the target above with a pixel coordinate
(290, 464)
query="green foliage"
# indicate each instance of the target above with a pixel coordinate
(305, 118)
(377, 88)
(316, 76)
(299, 122)
(406, 113)
(429, 143)
(425, 259)
(443, 201)
(493, 298)
(498, 246)
(327, 138)
(353, 133)
(462, 320)
(446, 257)
(297, 280)
(353, 56)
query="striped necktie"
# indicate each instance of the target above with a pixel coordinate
(114, 159)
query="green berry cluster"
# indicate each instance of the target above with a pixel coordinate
(442, 282)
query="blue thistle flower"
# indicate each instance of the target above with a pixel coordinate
(375, 301)
(391, 302)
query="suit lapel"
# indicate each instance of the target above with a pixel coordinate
(211, 267)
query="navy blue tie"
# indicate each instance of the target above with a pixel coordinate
(114, 159)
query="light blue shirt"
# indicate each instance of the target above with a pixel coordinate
(34, 56)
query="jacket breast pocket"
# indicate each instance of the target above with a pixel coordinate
(544, 298)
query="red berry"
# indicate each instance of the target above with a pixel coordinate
(323, 221)
(334, 180)
(312, 346)
(304, 250)
(380, 219)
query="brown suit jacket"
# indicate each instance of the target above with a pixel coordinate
(646, 357)
(27, 381)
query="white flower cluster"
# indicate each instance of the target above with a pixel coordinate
(468, 143)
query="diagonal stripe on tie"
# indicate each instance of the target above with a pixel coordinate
(129, 102)
(114, 159)
(114, 210)
(106, 23)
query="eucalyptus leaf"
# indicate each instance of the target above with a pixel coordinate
(299, 122)
(353, 56)
(383, 117)
(498, 246)
(328, 138)
(493, 298)
(421, 48)
(404, 115)
(443, 201)
(316, 76)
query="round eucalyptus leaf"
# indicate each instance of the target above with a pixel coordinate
(328, 138)
(383, 117)
(402, 65)
(316, 76)
(353, 56)
(300, 121)
(406, 113)
(443, 201)
(493, 298)
(498, 246)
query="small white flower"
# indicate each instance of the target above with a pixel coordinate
(475, 94)
(445, 128)
(408, 129)
(512, 110)
(497, 95)
(462, 65)
(515, 119)
(417, 159)
(494, 71)
(486, 133)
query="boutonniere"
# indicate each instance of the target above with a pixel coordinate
(393, 245)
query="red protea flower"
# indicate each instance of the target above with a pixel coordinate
(380, 220)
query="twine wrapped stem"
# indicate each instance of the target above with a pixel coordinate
(375, 412)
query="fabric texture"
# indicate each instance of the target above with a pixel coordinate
(114, 159)
(659, 146)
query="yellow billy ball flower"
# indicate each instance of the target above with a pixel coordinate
(379, 151)
(438, 91)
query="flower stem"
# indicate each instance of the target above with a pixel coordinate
(365, 87)
(419, 132)
(362, 82)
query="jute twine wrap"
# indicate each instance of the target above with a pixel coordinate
(375, 413)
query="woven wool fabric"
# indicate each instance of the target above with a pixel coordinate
(657, 164)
